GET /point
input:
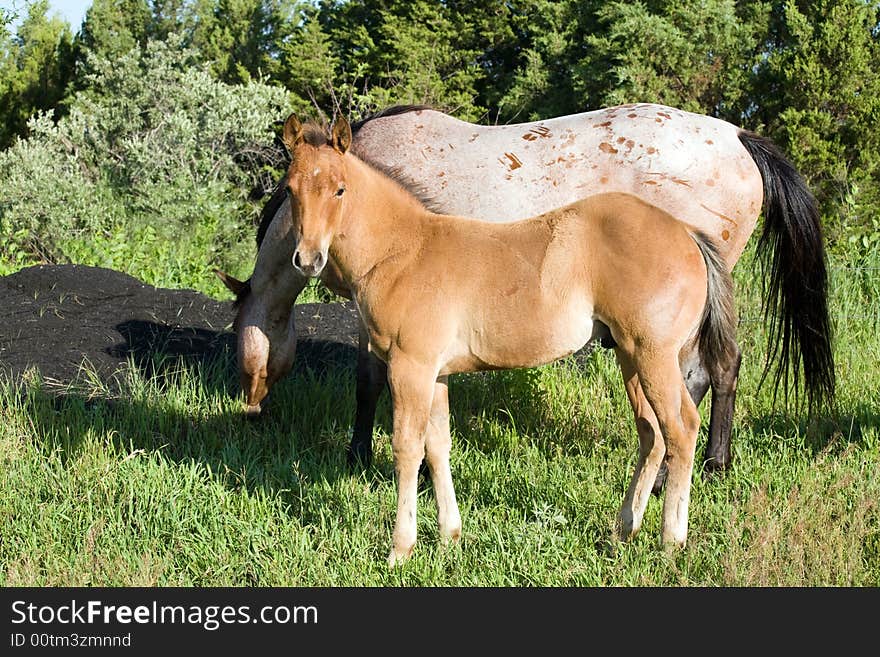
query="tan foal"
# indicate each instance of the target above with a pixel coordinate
(439, 295)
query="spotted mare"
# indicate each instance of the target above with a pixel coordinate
(709, 174)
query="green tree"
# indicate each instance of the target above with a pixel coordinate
(695, 56)
(111, 28)
(551, 34)
(242, 39)
(394, 51)
(818, 94)
(150, 173)
(309, 66)
(35, 67)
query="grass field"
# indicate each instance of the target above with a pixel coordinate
(169, 485)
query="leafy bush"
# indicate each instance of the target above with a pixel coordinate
(150, 173)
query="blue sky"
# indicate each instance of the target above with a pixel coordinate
(73, 10)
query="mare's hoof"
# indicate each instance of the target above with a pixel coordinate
(252, 412)
(360, 455)
(713, 466)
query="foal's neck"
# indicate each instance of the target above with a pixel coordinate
(385, 223)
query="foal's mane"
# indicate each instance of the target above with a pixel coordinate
(316, 135)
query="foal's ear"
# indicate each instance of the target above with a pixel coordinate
(341, 135)
(292, 134)
(237, 287)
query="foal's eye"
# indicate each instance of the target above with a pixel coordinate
(340, 191)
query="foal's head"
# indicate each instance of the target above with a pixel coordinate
(315, 184)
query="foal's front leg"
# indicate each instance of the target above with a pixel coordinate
(412, 390)
(438, 442)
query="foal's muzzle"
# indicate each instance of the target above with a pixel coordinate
(309, 264)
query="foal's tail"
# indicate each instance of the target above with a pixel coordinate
(718, 326)
(795, 297)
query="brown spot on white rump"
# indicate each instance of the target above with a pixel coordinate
(512, 162)
(717, 214)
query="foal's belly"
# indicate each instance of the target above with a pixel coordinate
(520, 339)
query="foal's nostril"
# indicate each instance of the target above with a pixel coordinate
(318, 264)
(296, 261)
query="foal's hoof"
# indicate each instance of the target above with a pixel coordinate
(399, 557)
(660, 481)
(252, 412)
(360, 456)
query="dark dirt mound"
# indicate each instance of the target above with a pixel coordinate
(55, 318)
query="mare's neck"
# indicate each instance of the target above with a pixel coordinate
(383, 223)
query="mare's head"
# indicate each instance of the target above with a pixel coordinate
(290, 249)
(315, 185)
(265, 335)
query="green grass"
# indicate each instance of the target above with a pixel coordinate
(167, 484)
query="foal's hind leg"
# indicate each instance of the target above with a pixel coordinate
(679, 422)
(651, 451)
(372, 376)
(698, 377)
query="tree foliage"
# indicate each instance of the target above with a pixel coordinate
(820, 99)
(150, 172)
(801, 72)
(35, 67)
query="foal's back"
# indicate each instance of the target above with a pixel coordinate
(530, 292)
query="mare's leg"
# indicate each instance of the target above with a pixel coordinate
(651, 451)
(724, 378)
(412, 392)
(372, 376)
(438, 443)
(679, 421)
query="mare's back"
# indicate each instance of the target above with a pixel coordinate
(690, 165)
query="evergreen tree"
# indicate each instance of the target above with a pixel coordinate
(112, 28)
(695, 56)
(551, 35)
(242, 39)
(35, 67)
(818, 94)
(394, 51)
(310, 67)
